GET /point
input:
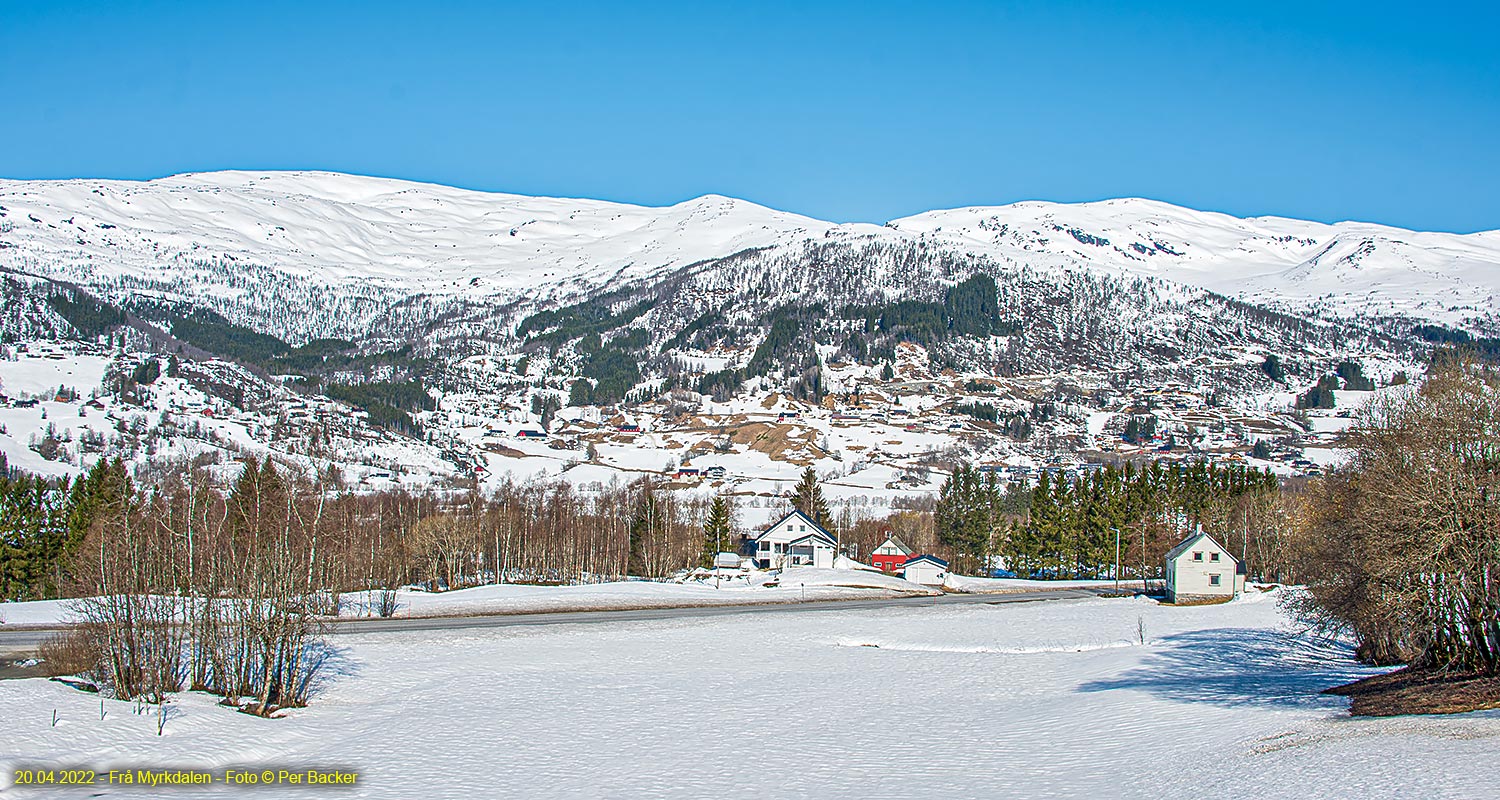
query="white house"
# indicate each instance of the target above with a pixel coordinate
(795, 540)
(1201, 569)
(926, 570)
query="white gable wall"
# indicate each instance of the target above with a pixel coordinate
(925, 573)
(1192, 573)
(793, 527)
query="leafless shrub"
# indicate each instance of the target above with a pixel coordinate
(1402, 546)
(385, 602)
(70, 652)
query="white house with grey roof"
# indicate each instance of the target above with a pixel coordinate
(795, 540)
(1202, 569)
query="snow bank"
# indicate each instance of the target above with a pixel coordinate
(35, 612)
(795, 585)
(791, 587)
(812, 577)
(968, 585)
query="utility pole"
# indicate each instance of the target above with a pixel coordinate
(1117, 560)
(1144, 587)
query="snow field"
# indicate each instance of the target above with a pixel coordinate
(1051, 699)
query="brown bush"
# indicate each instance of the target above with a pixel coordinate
(70, 652)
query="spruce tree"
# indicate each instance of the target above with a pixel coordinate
(106, 486)
(965, 516)
(717, 528)
(808, 498)
(643, 524)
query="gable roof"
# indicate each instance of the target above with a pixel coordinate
(816, 528)
(931, 559)
(895, 542)
(1194, 539)
(815, 536)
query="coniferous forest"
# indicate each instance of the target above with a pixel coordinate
(1068, 526)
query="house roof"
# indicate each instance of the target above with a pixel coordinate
(816, 528)
(1193, 540)
(896, 543)
(816, 537)
(931, 559)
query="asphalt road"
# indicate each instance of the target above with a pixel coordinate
(401, 624)
(19, 643)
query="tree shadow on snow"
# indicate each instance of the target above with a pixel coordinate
(327, 663)
(1240, 667)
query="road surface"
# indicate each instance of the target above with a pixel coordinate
(377, 625)
(23, 642)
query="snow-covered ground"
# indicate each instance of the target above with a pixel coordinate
(175, 418)
(1054, 699)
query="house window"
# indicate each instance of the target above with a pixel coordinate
(1213, 556)
(1213, 580)
(1197, 556)
(801, 527)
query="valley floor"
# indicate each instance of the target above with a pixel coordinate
(1055, 699)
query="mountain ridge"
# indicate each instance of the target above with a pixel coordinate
(397, 239)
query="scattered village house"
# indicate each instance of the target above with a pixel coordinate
(1201, 569)
(927, 570)
(795, 540)
(891, 555)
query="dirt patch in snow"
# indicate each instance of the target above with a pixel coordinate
(1413, 691)
(780, 442)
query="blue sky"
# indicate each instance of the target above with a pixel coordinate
(845, 111)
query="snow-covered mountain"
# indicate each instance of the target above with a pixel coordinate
(1350, 268)
(408, 237)
(635, 339)
(226, 237)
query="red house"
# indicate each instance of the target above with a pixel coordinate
(891, 555)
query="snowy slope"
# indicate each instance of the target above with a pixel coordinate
(1350, 268)
(197, 232)
(409, 237)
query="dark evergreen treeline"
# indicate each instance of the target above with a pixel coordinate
(90, 317)
(1454, 343)
(612, 368)
(981, 411)
(1064, 527)
(594, 316)
(387, 403)
(1346, 375)
(42, 523)
(969, 308)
